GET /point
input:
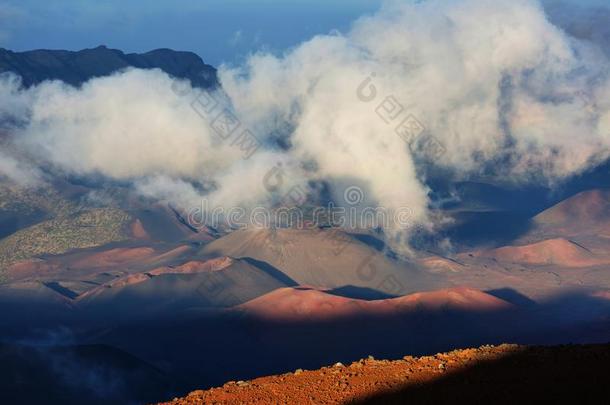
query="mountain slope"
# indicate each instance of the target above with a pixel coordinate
(490, 374)
(216, 283)
(323, 258)
(587, 212)
(93, 374)
(293, 304)
(560, 252)
(59, 235)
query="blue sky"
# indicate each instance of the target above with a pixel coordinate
(218, 30)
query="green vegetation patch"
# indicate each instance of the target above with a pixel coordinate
(85, 229)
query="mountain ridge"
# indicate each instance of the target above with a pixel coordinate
(77, 67)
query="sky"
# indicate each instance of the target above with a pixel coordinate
(218, 30)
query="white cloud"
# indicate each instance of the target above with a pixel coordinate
(490, 79)
(236, 38)
(18, 172)
(124, 126)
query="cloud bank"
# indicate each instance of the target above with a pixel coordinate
(494, 81)
(502, 90)
(124, 126)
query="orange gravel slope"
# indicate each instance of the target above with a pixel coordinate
(490, 374)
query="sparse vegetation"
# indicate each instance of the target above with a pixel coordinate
(81, 230)
(26, 201)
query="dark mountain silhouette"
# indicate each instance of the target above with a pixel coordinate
(75, 68)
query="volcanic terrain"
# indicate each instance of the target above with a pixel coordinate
(490, 374)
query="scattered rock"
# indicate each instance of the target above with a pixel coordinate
(335, 384)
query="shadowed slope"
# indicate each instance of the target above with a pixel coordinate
(163, 291)
(508, 375)
(93, 374)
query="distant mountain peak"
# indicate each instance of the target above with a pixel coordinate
(77, 67)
